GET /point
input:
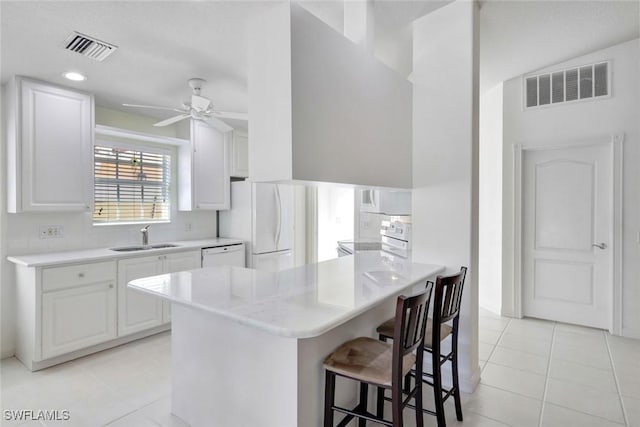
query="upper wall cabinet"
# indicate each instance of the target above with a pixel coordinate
(322, 108)
(240, 155)
(49, 147)
(203, 170)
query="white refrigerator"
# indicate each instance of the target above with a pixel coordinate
(262, 215)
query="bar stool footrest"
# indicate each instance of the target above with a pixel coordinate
(358, 412)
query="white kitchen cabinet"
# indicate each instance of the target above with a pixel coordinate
(179, 262)
(240, 155)
(387, 202)
(203, 169)
(138, 311)
(64, 309)
(78, 317)
(49, 128)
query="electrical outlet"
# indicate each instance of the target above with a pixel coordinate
(51, 231)
(187, 226)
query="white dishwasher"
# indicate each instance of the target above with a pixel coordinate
(223, 255)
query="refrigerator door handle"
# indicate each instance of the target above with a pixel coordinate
(279, 203)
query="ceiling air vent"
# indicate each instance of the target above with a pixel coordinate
(573, 84)
(89, 46)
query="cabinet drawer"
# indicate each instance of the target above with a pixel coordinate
(77, 275)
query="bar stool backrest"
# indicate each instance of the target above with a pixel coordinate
(410, 322)
(448, 296)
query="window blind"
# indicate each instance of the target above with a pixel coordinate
(130, 185)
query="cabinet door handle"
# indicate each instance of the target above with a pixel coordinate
(81, 275)
(111, 286)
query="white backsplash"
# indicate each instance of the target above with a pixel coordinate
(23, 231)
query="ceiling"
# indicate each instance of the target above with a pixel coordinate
(518, 37)
(161, 44)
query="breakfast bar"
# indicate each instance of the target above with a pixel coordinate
(248, 345)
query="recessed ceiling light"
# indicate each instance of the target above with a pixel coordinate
(76, 77)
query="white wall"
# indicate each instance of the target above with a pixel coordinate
(20, 235)
(569, 123)
(7, 294)
(322, 108)
(335, 219)
(369, 225)
(445, 131)
(490, 200)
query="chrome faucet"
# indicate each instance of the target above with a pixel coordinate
(145, 235)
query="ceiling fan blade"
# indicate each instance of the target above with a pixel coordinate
(217, 124)
(199, 103)
(172, 120)
(153, 107)
(230, 115)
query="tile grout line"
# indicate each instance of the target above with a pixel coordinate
(546, 378)
(615, 379)
(493, 349)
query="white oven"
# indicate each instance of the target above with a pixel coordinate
(396, 237)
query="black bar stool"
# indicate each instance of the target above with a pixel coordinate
(381, 364)
(446, 307)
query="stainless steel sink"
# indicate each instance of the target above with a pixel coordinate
(144, 248)
(163, 245)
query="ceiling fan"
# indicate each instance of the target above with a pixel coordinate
(199, 108)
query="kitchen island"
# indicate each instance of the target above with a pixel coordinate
(248, 345)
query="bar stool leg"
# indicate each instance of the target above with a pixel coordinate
(380, 396)
(364, 394)
(329, 397)
(396, 403)
(380, 403)
(454, 372)
(418, 397)
(437, 385)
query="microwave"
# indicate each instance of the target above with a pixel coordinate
(388, 202)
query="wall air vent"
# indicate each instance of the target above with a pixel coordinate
(89, 46)
(573, 84)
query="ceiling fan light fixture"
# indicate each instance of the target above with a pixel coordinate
(74, 76)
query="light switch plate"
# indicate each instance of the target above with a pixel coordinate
(51, 231)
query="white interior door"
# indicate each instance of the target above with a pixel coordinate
(567, 223)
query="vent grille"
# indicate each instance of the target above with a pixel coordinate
(89, 46)
(573, 84)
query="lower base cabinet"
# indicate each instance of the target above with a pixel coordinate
(137, 311)
(80, 316)
(64, 311)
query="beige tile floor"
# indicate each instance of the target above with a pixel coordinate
(534, 373)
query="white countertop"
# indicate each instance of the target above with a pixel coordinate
(106, 254)
(302, 302)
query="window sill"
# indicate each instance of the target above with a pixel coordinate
(107, 224)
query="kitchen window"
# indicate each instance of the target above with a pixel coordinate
(131, 183)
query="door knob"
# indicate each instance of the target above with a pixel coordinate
(600, 245)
